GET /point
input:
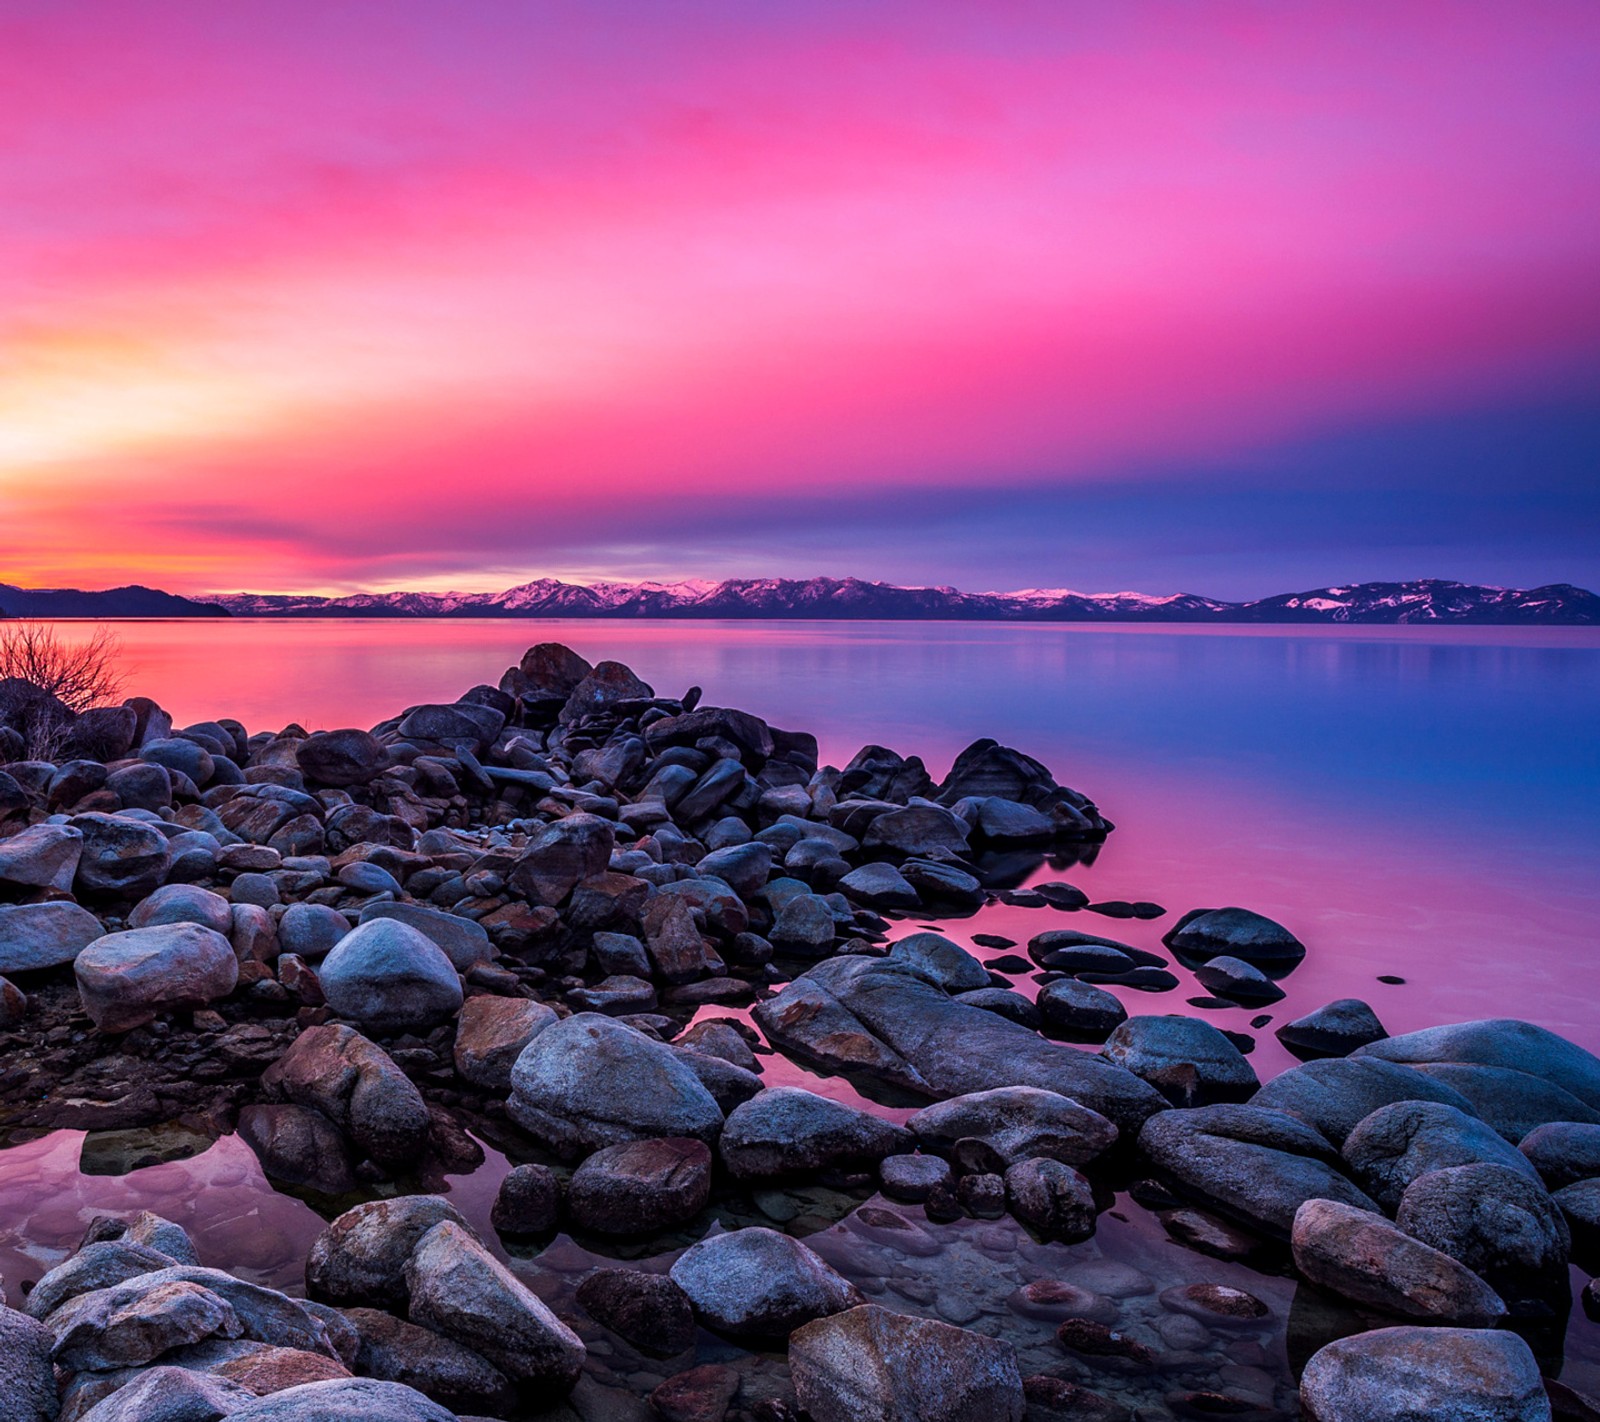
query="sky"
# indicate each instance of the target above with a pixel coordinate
(1233, 298)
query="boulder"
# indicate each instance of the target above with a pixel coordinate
(757, 1283)
(869, 1364)
(459, 1289)
(1410, 1374)
(1335, 1095)
(528, 1201)
(1499, 1222)
(1234, 978)
(341, 758)
(648, 1311)
(464, 942)
(310, 930)
(461, 723)
(1335, 1030)
(604, 686)
(1501, 1042)
(937, 960)
(1563, 1153)
(1017, 1123)
(560, 856)
(298, 1146)
(588, 1081)
(987, 768)
(1364, 1258)
(788, 1131)
(1051, 1198)
(183, 903)
(27, 1380)
(389, 976)
(170, 1394)
(640, 1187)
(97, 1265)
(126, 979)
(1400, 1143)
(394, 1350)
(41, 857)
(921, 829)
(880, 886)
(120, 857)
(491, 1034)
(345, 1400)
(133, 1323)
(38, 936)
(1080, 1012)
(678, 951)
(1237, 933)
(360, 1258)
(1189, 1061)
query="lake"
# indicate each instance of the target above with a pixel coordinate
(1412, 802)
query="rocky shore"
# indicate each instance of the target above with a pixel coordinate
(578, 925)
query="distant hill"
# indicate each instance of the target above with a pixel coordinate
(1422, 601)
(112, 602)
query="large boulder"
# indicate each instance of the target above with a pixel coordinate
(1253, 1165)
(389, 976)
(1337, 1094)
(1499, 1222)
(883, 1019)
(459, 1289)
(463, 941)
(921, 829)
(588, 1081)
(491, 1034)
(757, 1283)
(1397, 1144)
(462, 723)
(1333, 1030)
(170, 1394)
(1364, 1258)
(341, 758)
(126, 979)
(183, 903)
(640, 1187)
(1410, 1374)
(1235, 933)
(1563, 1153)
(360, 1258)
(27, 1380)
(120, 857)
(1051, 1198)
(871, 1365)
(787, 1131)
(298, 1146)
(560, 856)
(345, 1400)
(1016, 1123)
(397, 1351)
(97, 1265)
(1505, 1043)
(41, 857)
(1188, 1061)
(607, 684)
(36, 936)
(945, 964)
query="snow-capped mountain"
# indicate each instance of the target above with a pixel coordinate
(1427, 600)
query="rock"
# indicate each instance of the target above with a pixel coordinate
(183, 903)
(743, 867)
(880, 886)
(549, 670)
(97, 1265)
(934, 958)
(804, 925)
(38, 936)
(1502, 1042)
(119, 857)
(1234, 978)
(1236, 933)
(1051, 1198)
(1216, 1305)
(1397, 1144)
(987, 768)
(700, 1394)
(13, 1005)
(1017, 1123)
(1335, 1030)
(360, 1258)
(27, 1380)
(141, 787)
(607, 684)
(678, 951)
(41, 857)
(1334, 1096)
(1052, 1397)
(921, 830)
(562, 855)
(1499, 1222)
(879, 1017)
(464, 942)
(1563, 1153)
(463, 722)
(261, 1370)
(759, 1283)
(528, 1201)
(615, 997)
(648, 1311)
(1080, 1012)
(914, 1177)
(345, 1400)
(126, 979)
(640, 1187)
(298, 1146)
(725, 1040)
(786, 1130)
(393, 1350)
(871, 1365)
(341, 758)
(1513, 1102)
(1410, 1374)
(459, 1289)
(1007, 822)
(170, 1394)
(1254, 1165)
(620, 954)
(1580, 1205)
(387, 975)
(1364, 1258)
(148, 1230)
(491, 1034)
(587, 1082)
(310, 930)
(1190, 1062)
(943, 884)
(357, 1086)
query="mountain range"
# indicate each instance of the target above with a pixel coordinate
(1420, 601)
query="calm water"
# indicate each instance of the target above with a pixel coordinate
(1420, 802)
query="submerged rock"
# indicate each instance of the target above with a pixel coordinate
(1236, 933)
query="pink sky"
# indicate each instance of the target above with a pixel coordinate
(301, 296)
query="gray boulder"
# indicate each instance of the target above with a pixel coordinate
(588, 1081)
(1563, 1153)
(1500, 1042)
(126, 979)
(97, 1265)
(1017, 1123)
(1400, 1143)
(389, 976)
(311, 930)
(1499, 1222)
(38, 936)
(1335, 1095)
(1190, 1062)
(869, 1364)
(345, 1400)
(936, 959)
(759, 1283)
(183, 903)
(880, 886)
(119, 858)
(1080, 1012)
(393, 1350)
(298, 1146)
(41, 857)
(787, 1130)
(341, 758)
(561, 856)
(1410, 1374)
(1364, 1258)
(1513, 1102)
(360, 1258)
(1236, 933)
(462, 940)
(170, 1394)
(1051, 1198)
(1334, 1030)
(27, 1379)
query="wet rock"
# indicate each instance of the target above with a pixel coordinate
(1335, 1030)
(1098, 1340)
(934, 958)
(1238, 933)
(459, 1289)
(869, 1363)
(1563, 1153)
(298, 1146)
(260, 1369)
(1051, 1198)
(648, 1311)
(786, 1130)
(1055, 1299)
(1504, 1043)
(345, 1400)
(678, 951)
(491, 1034)
(1499, 1222)
(38, 936)
(388, 976)
(1254, 1165)
(1216, 1305)
(528, 1201)
(880, 886)
(1080, 1012)
(725, 1040)
(1410, 1374)
(119, 858)
(1336, 1095)
(341, 758)
(126, 979)
(464, 942)
(1051, 1397)
(360, 1258)
(759, 1283)
(393, 1350)
(982, 1194)
(1513, 1102)
(1366, 1259)
(914, 1177)
(1190, 1062)
(1230, 977)
(41, 857)
(27, 1380)
(357, 1086)
(1008, 1004)
(639, 1187)
(1017, 1123)
(1397, 1144)
(587, 1082)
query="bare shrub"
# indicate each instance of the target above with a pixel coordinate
(46, 680)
